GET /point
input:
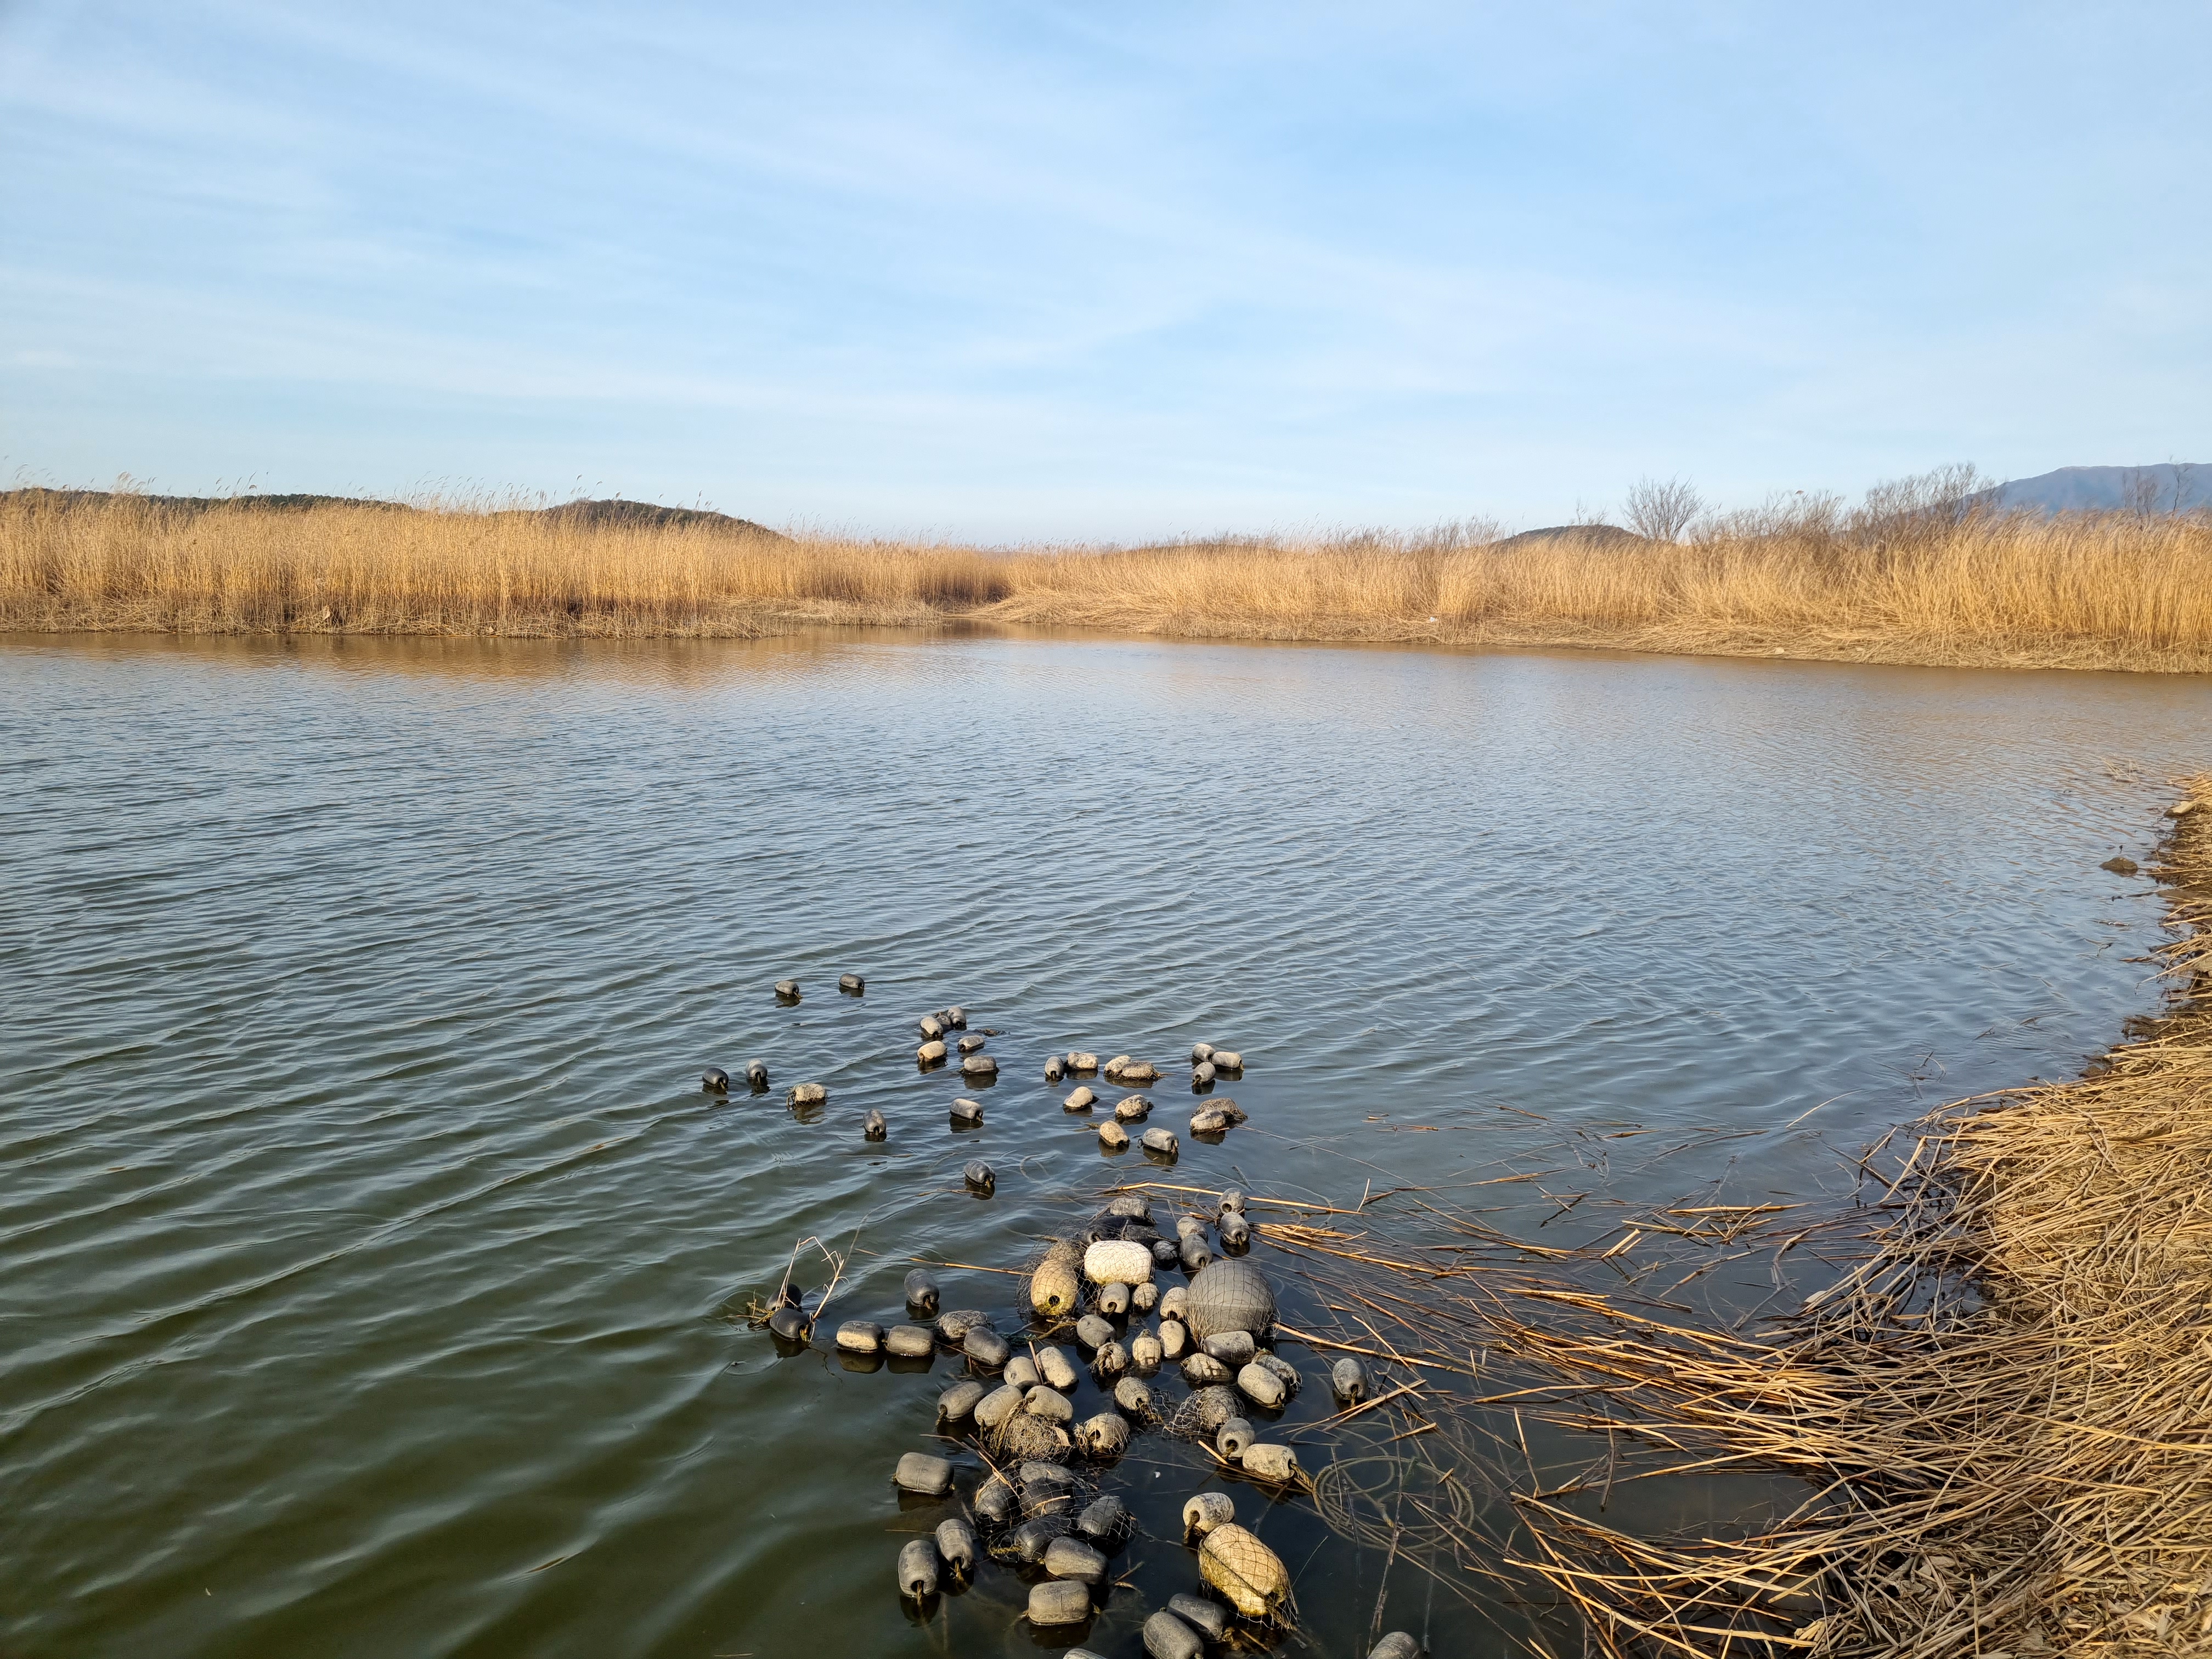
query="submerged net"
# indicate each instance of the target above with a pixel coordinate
(1199, 1415)
(1401, 1502)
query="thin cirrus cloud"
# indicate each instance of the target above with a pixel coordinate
(1007, 272)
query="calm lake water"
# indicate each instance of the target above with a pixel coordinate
(371, 1261)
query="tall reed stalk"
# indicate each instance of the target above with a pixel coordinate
(2118, 590)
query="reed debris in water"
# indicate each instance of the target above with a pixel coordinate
(1993, 1423)
(2004, 1412)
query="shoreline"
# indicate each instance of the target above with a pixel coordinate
(760, 622)
(2003, 1414)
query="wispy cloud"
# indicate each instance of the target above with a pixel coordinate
(1027, 271)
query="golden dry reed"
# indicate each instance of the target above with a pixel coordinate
(2004, 1412)
(123, 561)
(1927, 585)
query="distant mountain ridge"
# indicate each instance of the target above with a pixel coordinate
(2168, 487)
(615, 510)
(1593, 535)
(612, 511)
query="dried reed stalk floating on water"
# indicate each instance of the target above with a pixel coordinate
(2001, 1411)
(2005, 1410)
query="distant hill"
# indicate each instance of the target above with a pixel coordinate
(1601, 535)
(617, 511)
(611, 512)
(2168, 487)
(67, 498)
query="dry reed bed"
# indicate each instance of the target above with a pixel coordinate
(135, 565)
(2112, 591)
(2108, 591)
(2004, 1412)
(1996, 1420)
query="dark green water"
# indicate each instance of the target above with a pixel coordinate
(368, 1253)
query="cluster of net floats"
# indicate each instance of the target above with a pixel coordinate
(1036, 1511)
(1039, 1508)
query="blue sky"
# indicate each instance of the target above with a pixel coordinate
(1076, 272)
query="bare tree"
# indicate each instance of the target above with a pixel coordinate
(2139, 491)
(2187, 498)
(1662, 511)
(1935, 501)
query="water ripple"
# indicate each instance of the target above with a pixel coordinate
(369, 1247)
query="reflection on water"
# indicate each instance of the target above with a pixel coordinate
(370, 1251)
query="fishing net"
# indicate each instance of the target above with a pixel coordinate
(1396, 1502)
(1027, 1541)
(1244, 1570)
(1046, 1488)
(1132, 1395)
(1026, 1436)
(1056, 1283)
(1106, 1435)
(1230, 1295)
(1201, 1415)
(1203, 1371)
(1136, 1229)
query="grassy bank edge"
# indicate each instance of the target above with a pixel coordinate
(773, 621)
(2005, 1414)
